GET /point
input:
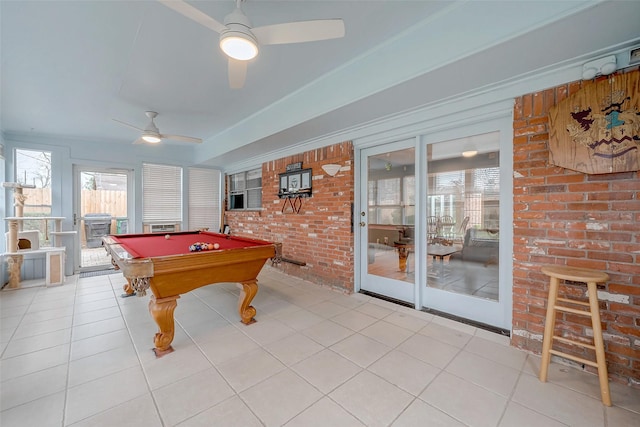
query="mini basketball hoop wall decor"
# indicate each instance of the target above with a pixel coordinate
(597, 129)
(295, 184)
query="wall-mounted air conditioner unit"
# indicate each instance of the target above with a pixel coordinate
(161, 228)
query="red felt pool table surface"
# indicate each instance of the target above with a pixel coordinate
(157, 245)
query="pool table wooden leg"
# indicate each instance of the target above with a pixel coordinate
(162, 311)
(248, 290)
(128, 289)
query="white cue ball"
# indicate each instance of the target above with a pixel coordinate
(216, 246)
(167, 236)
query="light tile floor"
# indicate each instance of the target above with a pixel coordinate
(80, 355)
(94, 257)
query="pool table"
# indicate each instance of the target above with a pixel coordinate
(165, 264)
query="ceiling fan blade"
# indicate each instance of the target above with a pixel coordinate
(194, 14)
(237, 73)
(300, 32)
(139, 141)
(181, 138)
(128, 125)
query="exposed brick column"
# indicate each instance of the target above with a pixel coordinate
(570, 218)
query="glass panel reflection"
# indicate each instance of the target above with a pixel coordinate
(391, 210)
(463, 207)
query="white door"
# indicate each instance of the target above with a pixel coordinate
(387, 220)
(102, 207)
(468, 207)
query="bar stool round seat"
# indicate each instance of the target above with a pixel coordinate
(590, 309)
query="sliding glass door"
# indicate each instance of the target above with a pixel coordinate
(464, 197)
(435, 221)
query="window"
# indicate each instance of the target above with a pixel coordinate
(33, 168)
(409, 199)
(161, 193)
(445, 196)
(392, 200)
(486, 181)
(465, 187)
(204, 199)
(245, 190)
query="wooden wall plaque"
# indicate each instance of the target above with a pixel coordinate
(597, 129)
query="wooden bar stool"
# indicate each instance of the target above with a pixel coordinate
(555, 304)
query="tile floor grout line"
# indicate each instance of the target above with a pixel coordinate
(566, 388)
(224, 378)
(520, 376)
(138, 356)
(40, 370)
(19, 323)
(67, 388)
(342, 406)
(513, 392)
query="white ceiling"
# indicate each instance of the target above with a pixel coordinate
(70, 67)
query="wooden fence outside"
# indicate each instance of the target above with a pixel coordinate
(38, 203)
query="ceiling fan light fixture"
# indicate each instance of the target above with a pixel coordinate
(150, 138)
(469, 149)
(238, 45)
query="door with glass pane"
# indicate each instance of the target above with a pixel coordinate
(463, 187)
(101, 209)
(387, 220)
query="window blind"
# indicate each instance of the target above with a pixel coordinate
(204, 199)
(389, 191)
(161, 193)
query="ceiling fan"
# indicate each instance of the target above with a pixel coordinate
(240, 41)
(152, 135)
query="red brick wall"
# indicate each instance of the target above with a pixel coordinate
(320, 234)
(570, 218)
